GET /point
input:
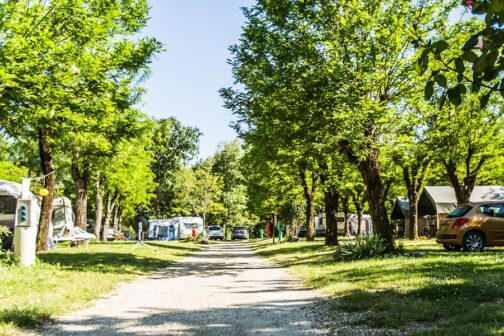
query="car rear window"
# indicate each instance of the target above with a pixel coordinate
(214, 228)
(238, 228)
(459, 211)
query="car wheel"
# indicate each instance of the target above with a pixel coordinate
(474, 242)
(450, 247)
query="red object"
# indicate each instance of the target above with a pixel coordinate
(193, 233)
(468, 3)
(268, 229)
(459, 222)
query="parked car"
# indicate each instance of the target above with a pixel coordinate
(302, 232)
(239, 232)
(215, 232)
(473, 226)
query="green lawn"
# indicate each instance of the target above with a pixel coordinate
(68, 278)
(441, 293)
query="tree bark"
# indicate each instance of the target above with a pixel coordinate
(115, 220)
(274, 224)
(108, 215)
(81, 180)
(463, 190)
(358, 208)
(47, 165)
(346, 211)
(331, 198)
(158, 202)
(369, 169)
(99, 208)
(309, 193)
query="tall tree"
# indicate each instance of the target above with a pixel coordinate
(173, 145)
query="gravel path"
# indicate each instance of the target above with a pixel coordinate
(225, 289)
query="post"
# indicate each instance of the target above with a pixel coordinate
(25, 231)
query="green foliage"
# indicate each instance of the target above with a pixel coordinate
(173, 145)
(361, 248)
(477, 62)
(11, 172)
(198, 191)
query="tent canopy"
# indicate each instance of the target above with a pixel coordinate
(441, 199)
(401, 209)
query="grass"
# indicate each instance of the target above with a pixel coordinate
(441, 293)
(68, 278)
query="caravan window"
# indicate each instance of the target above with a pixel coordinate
(189, 226)
(7, 205)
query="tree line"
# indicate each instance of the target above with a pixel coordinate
(334, 97)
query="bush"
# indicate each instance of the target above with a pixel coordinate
(361, 248)
(5, 236)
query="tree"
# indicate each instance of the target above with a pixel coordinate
(332, 71)
(53, 85)
(198, 191)
(173, 145)
(227, 163)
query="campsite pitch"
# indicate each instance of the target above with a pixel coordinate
(225, 289)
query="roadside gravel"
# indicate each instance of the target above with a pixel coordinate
(225, 289)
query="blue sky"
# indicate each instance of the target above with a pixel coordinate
(186, 77)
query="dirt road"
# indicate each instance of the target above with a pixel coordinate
(225, 289)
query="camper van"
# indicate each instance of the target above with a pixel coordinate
(174, 228)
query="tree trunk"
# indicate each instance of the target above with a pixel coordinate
(346, 211)
(158, 202)
(81, 183)
(331, 198)
(46, 163)
(119, 218)
(99, 208)
(309, 193)
(108, 216)
(115, 221)
(274, 224)
(370, 172)
(358, 208)
(463, 190)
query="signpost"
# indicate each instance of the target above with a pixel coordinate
(281, 227)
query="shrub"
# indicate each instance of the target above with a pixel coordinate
(5, 235)
(361, 248)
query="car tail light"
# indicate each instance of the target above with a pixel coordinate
(459, 222)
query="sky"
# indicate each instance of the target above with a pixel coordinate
(185, 78)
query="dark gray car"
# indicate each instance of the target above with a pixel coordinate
(239, 232)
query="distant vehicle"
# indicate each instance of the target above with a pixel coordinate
(215, 232)
(302, 232)
(473, 226)
(239, 232)
(112, 234)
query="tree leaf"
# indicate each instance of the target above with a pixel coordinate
(470, 56)
(471, 42)
(459, 65)
(429, 89)
(441, 80)
(440, 46)
(454, 96)
(484, 100)
(480, 65)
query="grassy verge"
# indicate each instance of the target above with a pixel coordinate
(441, 293)
(68, 278)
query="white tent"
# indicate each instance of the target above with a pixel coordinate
(62, 226)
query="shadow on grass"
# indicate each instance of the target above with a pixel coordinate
(105, 262)
(28, 317)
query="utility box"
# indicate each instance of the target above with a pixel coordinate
(25, 232)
